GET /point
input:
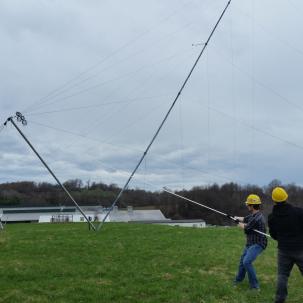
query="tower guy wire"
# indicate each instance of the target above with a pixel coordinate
(1, 128)
(165, 117)
(21, 118)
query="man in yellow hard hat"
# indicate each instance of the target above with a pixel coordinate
(255, 242)
(286, 226)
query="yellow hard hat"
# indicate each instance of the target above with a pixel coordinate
(253, 200)
(279, 194)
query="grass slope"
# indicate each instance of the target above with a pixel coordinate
(130, 263)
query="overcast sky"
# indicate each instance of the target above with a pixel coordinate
(94, 79)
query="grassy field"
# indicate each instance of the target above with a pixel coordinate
(130, 263)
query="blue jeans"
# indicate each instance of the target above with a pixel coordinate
(249, 255)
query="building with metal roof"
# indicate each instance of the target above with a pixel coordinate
(95, 213)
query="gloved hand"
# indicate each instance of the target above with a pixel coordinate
(241, 225)
(239, 219)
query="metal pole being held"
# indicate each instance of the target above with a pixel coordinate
(212, 209)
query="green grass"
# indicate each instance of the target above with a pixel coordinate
(130, 263)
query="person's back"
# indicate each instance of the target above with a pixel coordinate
(286, 226)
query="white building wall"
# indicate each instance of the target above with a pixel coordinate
(189, 224)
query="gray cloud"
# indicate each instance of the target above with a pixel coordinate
(237, 120)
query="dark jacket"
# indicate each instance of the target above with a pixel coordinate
(286, 226)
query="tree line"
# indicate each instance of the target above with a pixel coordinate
(228, 198)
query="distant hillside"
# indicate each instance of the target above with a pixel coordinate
(228, 198)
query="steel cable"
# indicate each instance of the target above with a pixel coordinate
(94, 105)
(167, 114)
(97, 64)
(159, 157)
(120, 77)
